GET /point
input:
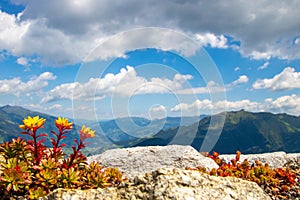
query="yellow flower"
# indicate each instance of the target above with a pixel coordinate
(32, 123)
(86, 132)
(63, 122)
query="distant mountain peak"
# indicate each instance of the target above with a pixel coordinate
(6, 106)
(14, 109)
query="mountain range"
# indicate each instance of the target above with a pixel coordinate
(245, 131)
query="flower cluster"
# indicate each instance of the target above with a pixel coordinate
(30, 169)
(32, 123)
(63, 123)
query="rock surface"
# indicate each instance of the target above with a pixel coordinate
(275, 160)
(140, 160)
(171, 183)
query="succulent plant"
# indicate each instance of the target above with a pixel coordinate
(30, 169)
(274, 181)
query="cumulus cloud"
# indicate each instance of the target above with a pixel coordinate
(242, 79)
(264, 66)
(128, 83)
(16, 86)
(160, 38)
(158, 112)
(209, 39)
(285, 104)
(11, 32)
(34, 37)
(258, 55)
(158, 108)
(285, 80)
(196, 105)
(214, 107)
(46, 28)
(23, 61)
(125, 83)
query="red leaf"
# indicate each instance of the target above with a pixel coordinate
(76, 141)
(54, 133)
(74, 149)
(42, 135)
(40, 142)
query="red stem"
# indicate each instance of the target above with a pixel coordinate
(61, 132)
(74, 155)
(36, 156)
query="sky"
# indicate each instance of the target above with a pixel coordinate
(106, 59)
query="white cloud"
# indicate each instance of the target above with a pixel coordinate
(237, 105)
(196, 105)
(128, 83)
(55, 110)
(163, 39)
(236, 69)
(256, 55)
(285, 104)
(212, 87)
(285, 80)
(264, 66)
(289, 104)
(47, 28)
(158, 108)
(7, 85)
(205, 106)
(39, 107)
(209, 39)
(23, 61)
(158, 112)
(16, 86)
(11, 31)
(34, 37)
(125, 83)
(242, 79)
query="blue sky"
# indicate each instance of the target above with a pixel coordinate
(107, 59)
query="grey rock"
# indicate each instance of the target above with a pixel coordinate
(293, 157)
(171, 183)
(75, 194)
(275, 159)
(140, 160)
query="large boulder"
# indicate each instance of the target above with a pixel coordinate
(140, 160)
(171, 183)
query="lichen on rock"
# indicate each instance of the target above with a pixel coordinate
(171, 183)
